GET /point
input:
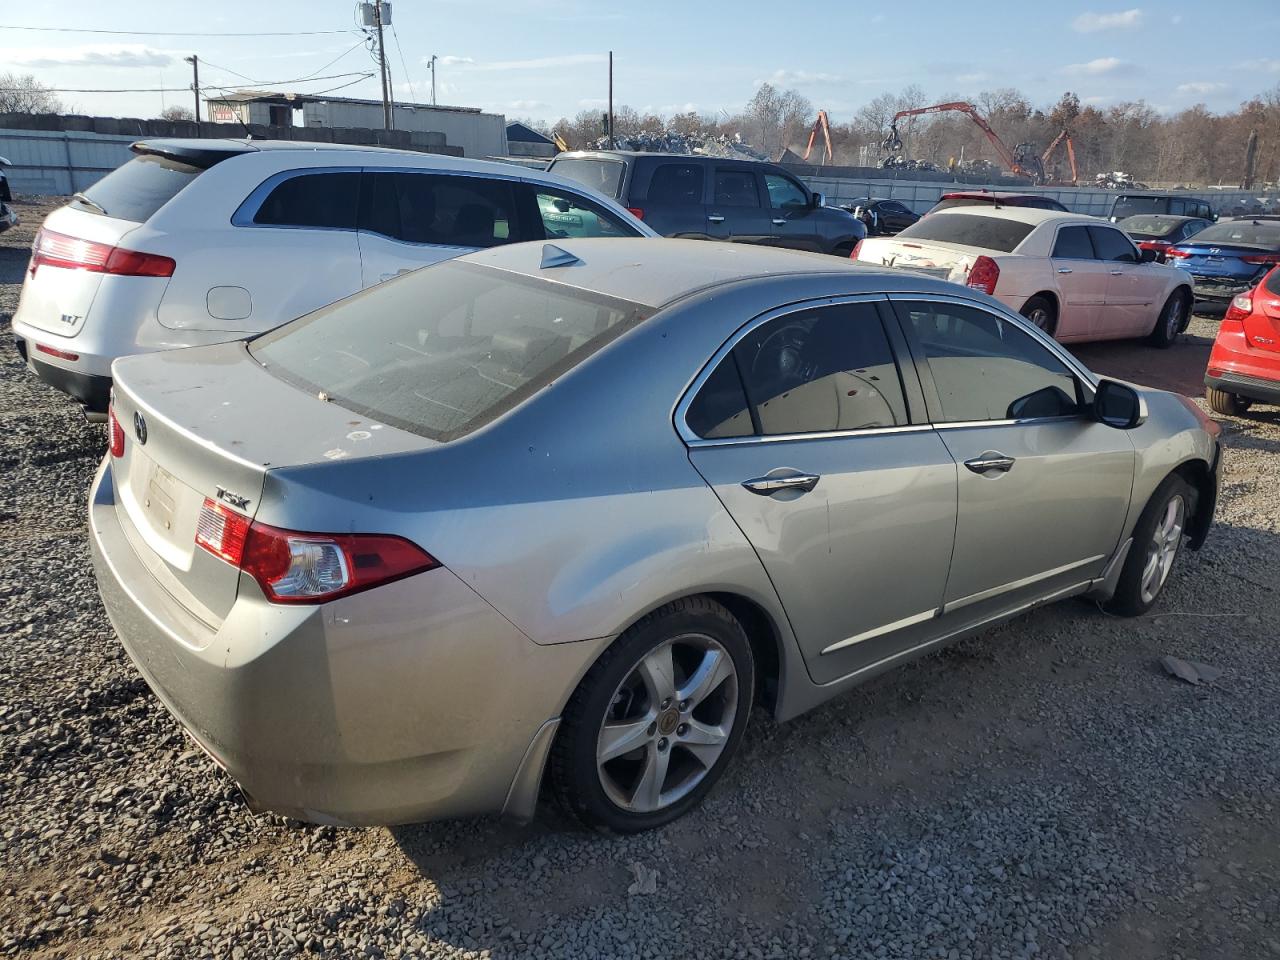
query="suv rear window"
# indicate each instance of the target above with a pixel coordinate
(604, 176)
(970, 229)
(139, 188)
(446, 349)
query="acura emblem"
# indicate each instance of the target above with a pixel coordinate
(139, 427)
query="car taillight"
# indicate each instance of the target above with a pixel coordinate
(1177, 252)
(636, 212)
(55, 352)
(984, 275)
(117, 434)
(293, 567)
(1269, 259)
(853, 254)
(1153, 244)
(1241, 307)
(53, 249)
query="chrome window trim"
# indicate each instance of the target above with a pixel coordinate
(249, 207)
(691, 439)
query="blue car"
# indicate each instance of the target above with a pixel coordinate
(1229, 257)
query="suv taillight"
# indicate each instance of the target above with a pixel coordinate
(984, 275)
(117, 434)
(54, 249)
(853, 254)
(1241, 307)
(293, 567)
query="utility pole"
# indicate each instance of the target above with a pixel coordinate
(432, 64)
(612, 144)
(382, 67)
(195, 83)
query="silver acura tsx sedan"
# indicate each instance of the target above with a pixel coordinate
(564, 515)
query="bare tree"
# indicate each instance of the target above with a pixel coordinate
(177, 112)
(22, 93)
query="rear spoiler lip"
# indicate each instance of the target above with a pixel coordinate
(197, 156)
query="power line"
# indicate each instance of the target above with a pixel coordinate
(207, 86)
(310, 76)
(179, 33)
(409, 80)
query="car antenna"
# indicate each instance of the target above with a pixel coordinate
(553, 256)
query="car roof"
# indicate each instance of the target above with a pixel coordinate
(657, 272)
(991, 195)
(1032, 215)
(657, 155)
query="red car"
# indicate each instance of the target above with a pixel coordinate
(1244, 366)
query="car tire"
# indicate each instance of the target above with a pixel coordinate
(1228, 404)
(635, 689)
(1172, 321)
(1041, 312)
(1157, 541)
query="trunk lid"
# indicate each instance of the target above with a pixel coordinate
(1222, 260)
(937, 259)
(57, 299)
(210, 422)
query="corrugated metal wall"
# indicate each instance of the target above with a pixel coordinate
(60, 162)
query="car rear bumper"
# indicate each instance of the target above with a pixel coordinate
(1236, 366)
(92, 391)
(1218, 290)
(1252, 388)
(382, 707)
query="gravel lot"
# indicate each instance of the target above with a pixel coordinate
(1042, 790)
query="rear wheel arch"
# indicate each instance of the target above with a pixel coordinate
(1052, 299)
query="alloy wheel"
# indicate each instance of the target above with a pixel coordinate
(1163, 548)
(668, 723)
(1174, 323)
(1040, 317)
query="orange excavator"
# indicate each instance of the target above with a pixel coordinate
(1045, 160)
(820, 126)
(1020, 161)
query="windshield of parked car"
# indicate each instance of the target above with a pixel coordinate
(603, 176)
(138, 189)
(971, 230)
(1149, 228)
(1131, 206)
(447, 349)
(1250, 233)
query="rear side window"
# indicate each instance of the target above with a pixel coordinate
(720, 409)
(736, 188)
(565, 215)
(1272, 282)
(432, 208)
(603, 176)
(970, 229)
(1113, 245)
(830, 368)
(676, 183)
(1073, 244)
(312, 200)
(446, 349)
(139, 188)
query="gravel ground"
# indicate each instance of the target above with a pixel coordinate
(1042, 790)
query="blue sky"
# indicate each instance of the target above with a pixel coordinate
(546, 58)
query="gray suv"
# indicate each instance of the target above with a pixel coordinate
(709, 198)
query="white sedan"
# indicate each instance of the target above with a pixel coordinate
(1075, 277)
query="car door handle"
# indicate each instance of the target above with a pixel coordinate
(1064, 269)
(764, 486)
(1117, 273)
(990, 461)
(779, 221)
(716, 218)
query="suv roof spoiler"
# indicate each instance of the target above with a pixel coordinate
(199, 153)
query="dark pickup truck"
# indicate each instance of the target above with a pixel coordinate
(708, 198)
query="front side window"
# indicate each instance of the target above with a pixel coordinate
(1113, 245)
(1073, 244)
(439, 209)
(446, 349)
(986, 368)
(784, 192)
(679, 184)
(566, 216)
(736, 188)
(317, 200)
(829, 368)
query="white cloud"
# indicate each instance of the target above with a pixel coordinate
(790, 78)
(538, 63)
(593, 102)
(1201, 87)
(1101, 67)
(450, 60)
(1261, 66)
(523, 105)
(970, 77)
(1093, 22)
(86, 55)
(1176, 19)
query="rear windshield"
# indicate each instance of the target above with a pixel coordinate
(958, 202)
(1149, 228)
(970, 229)
(446, 350)
(603, 176)
(139, 188)
(1251, 233)
(1130, 206)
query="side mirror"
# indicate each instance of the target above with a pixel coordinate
(1118, 405)
(818, 200)
(1149, 256)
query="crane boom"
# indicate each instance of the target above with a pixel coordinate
(1071, 154)
(820, 124)
(894, 142)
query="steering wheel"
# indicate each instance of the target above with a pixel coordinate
(780, 358)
